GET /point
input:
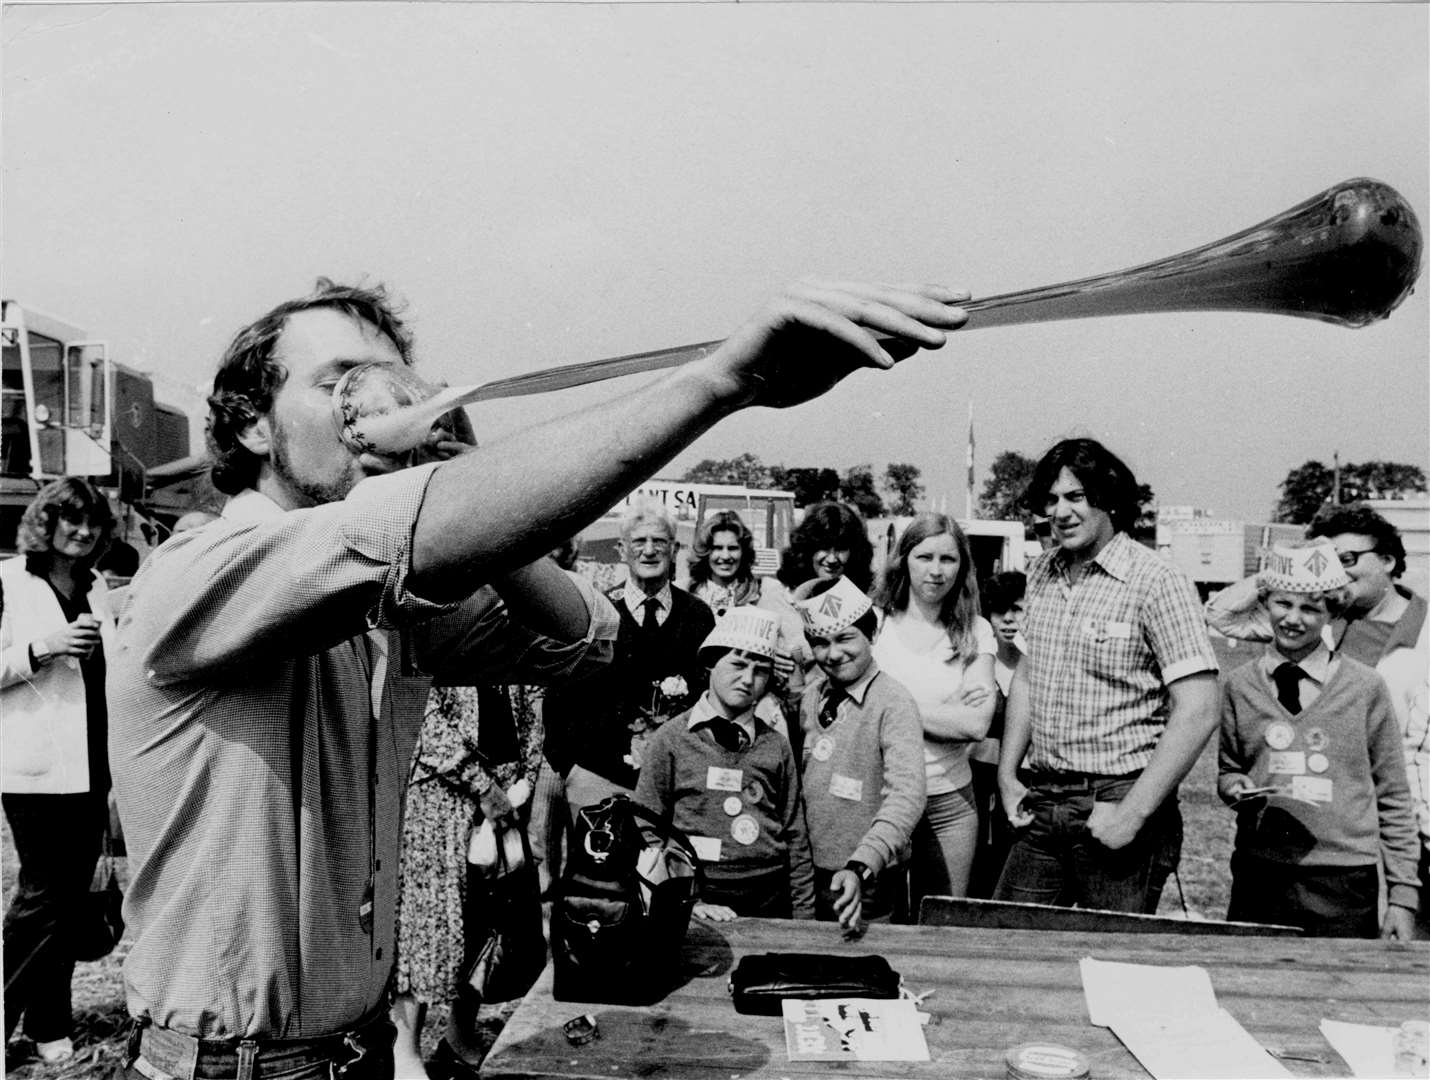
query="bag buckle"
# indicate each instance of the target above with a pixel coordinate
(599, 842)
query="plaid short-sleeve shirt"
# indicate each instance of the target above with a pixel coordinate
(1101, 654)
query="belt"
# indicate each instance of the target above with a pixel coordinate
(1074, 781)
(161, 1053)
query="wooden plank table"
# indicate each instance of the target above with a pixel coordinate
(993, 990)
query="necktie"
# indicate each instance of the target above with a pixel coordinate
(830, 709)
(648, 620)
(1287, 678)
(727, 733)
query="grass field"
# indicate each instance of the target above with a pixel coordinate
(99, 994)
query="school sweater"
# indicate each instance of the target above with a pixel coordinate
(690, 780)
(1343, 752)
(863, 776)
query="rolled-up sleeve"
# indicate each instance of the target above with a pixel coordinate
(246, 592)
(1176, 629)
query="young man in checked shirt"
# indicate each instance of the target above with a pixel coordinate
(1114, 701)
(271, 668)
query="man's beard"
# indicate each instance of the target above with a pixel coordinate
(317, 492)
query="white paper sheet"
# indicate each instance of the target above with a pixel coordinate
(1169, 1019)
(1368, 1049)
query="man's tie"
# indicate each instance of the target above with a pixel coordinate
(830, 709)
(1288, 686)
(727, 733)
(648, 620)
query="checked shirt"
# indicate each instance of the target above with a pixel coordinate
(1101, 654)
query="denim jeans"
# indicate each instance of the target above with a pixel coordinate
(944, 841)
(1055, 860)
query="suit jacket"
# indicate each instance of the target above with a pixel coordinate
(590, 724)
(44, 728)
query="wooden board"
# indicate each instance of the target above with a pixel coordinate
(1010, 915)
(993, 989)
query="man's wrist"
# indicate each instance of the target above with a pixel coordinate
(862, 871)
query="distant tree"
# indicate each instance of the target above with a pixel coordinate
(746, 469)
(901, 481)
(1309, 487)
(1002, 495)
(810, 485)
(857, 488)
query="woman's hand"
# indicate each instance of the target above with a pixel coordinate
(79, 638)
(714, 913)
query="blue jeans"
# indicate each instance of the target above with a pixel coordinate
(1055, 860)
(944, 841)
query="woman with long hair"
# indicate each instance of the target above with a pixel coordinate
(934, 641)
(55, 624)
(831, 541)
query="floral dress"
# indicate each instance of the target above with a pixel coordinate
(449, 776)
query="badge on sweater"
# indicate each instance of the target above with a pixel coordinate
(1316, 789)
(846, 787)
(745, 829)
(1280, 735)
(707, 848)
(1287, 762)
(718, 779)
(1316, 739)
(823, 748)
(1318, 763)
(754, 792)
(733, 806)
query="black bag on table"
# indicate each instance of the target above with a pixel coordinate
(616, 931)
(760, 982)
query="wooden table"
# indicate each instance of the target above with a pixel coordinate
(994, 989)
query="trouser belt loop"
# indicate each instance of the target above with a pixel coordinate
(247, 1059)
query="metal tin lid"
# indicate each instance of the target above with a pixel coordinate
(1046, 1061)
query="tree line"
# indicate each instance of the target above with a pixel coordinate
(1305, 491)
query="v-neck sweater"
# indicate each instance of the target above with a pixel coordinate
(1352, 725)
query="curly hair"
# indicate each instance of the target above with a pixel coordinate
(721, 521)
(1359, 518)
(826, 526)
(248, 376)
(960, 607)
(1105, 479)
(1002, 591)
(70, 498)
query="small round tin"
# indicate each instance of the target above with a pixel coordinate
(1046, 1061)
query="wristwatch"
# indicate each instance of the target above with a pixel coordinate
(864, 874)
(40, 654)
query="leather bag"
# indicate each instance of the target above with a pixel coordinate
(759, 983)
(99, 918)
(506, 947)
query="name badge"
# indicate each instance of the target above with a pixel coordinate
(1118, 631)
(1288, 762)
(707, 848)
(718, 779)
(846, 787)
(1316, 789)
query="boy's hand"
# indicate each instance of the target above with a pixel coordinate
(848, 904)
(1011, 794)
(1399, 924)
(714, 912)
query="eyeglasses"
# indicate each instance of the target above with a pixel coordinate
(659, 543)
(1350, 558)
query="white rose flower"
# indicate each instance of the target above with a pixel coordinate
(673, 686)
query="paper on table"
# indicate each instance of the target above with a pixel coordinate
(1168, 1017)
(853, 1029)
(1368, 1049)
(1112, 990)
(1206, 1046)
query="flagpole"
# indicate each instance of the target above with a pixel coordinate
(968, 495)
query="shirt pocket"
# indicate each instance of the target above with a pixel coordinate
(1108, 647)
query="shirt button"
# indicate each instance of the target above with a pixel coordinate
(378, 865)
(379, 953)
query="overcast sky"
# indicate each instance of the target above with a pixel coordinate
(552, 183)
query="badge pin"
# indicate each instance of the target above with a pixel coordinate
(1280, 735)
(745, 829)
(1318, 763)
(824, 748)
(733, 805)
(1316, 739)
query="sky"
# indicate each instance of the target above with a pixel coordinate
(554, 183)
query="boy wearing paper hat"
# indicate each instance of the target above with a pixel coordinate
(862, 762)
(728, 779)
(1311, 761)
